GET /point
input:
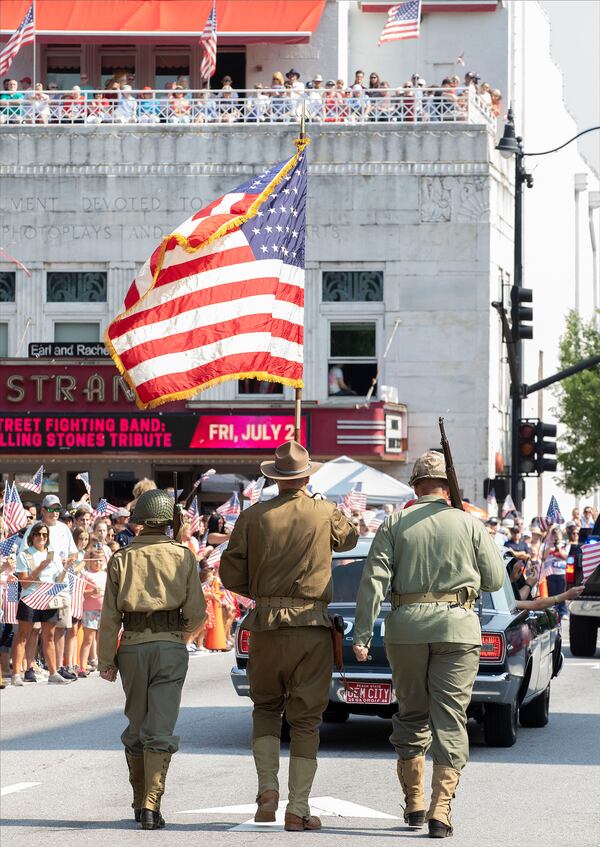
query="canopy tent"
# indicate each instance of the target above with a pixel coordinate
(237, 22)
(337, 478)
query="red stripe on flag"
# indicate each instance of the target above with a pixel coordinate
(226, 366)
(232, 256)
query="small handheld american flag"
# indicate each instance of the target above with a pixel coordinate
(553, 515)
(214, 559)
(254, 489)
(7, 545)
(356, 500)
(103, 510)
(231, 509)
(35, 484)
(76, 590)
(194, 516)
(85, 478)
(13, 515)
(10, 600)
(41, 597)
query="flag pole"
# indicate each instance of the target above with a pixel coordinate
(298, 391)
(34, 47)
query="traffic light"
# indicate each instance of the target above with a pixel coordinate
(520, 315)
(527, 434)
(545, 431)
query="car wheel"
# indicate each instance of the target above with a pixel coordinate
(336, 716)
(500, 724)
(537, 712)
(582, 635)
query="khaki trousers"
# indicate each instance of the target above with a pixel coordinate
(289, 669)
(152, 675)
(433, 684)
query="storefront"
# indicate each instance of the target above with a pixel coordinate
(75, 416)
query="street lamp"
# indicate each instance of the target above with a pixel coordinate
(511, 145)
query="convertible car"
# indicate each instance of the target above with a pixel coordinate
(520, 655)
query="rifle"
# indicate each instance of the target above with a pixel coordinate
(455, 498)
(177, 510)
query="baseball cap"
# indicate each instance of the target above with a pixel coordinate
(508, 522)
(317, 78)
(492, 522)
(526, 533)
(26, 79)
(50, 500)
(122, 513)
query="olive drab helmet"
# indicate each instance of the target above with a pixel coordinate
(154, 508)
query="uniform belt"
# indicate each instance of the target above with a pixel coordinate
(165, 620)
(463, 597)
(290, 603)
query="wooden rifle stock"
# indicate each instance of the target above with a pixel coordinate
(455, 498)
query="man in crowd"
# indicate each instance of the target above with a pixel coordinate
(437, 559)
(153, 591)
(279, 554)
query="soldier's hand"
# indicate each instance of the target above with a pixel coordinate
(109, 675)
(361, 653)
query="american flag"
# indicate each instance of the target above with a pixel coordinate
(403, 22)
(194, 516)
(13, 515)
(222, 297)
(76, 590)
(227, 598)
(492, 504)
(208, 40)
(203, 545)
(7, 545)
(85, 478)
(590, 559)
(254, 489)
(36, 481)
(10, 600)
(376, 521)
(104, 509)
(553, 515)
(23, 35)
(356, 501)
(508, 506)
(343, 507)
(231, 509)
(40, 598)
(210, 472)
(214, 559)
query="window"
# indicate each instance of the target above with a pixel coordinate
(170, 66)
(352, 357)
(352, 286)
(63, 66)
(118, 65)
(259, 386)
(68, 332)
(7, 286)
(3, 341)
(76, 287)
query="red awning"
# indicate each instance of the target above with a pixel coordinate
(237, 22)
(434, 5)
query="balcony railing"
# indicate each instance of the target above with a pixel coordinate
(421, 105)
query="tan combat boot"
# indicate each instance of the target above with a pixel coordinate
(265, 750)
(156, 765)
(443, 789)
(135, 763)
(297, 814)
(411, 773)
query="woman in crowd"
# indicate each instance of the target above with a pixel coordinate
(95, 577)
(179, 107)
(39, 104)
(217, 530)
(35, 565)
(139, 488)
(497, 103)
(555, 565)
(74, 106)
(81, 537)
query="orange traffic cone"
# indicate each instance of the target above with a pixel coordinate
(215, 636)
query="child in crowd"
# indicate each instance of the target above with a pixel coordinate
(95, 577)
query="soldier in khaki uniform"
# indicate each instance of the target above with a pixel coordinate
(436, 559)
(153, 591)
(280, 555)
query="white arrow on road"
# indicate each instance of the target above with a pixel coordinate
(18, 786)
(325, 806)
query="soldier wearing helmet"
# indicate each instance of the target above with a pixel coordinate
(436, 560)
(152, 591)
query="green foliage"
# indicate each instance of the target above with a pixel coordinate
(579, 408)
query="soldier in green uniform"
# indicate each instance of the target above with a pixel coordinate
(153, 591)
(279, 554)
(436, 560)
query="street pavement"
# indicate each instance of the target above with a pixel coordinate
(64, 782)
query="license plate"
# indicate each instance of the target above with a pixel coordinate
(369, 693)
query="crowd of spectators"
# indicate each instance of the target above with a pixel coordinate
(283, 100)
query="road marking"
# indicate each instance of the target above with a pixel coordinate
(18, 786)
(331, 807)
(577, 663)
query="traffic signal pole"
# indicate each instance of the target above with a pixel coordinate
(516, 397)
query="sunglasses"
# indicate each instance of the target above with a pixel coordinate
(41, 534)
(52, 509)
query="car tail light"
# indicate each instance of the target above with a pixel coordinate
(492, 647)
(570, 571)
(243, 642)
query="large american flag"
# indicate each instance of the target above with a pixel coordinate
(223, 296)
(10, 600)
(35, 484)
(403, 22)
(208, 40)
(23, 35)
(590, 559)
(553, 515)
(13, 515)
(76, 590)
(231, 509)
(40, 598)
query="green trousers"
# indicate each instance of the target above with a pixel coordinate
(289, 669)
(152, 675)
(433, 684)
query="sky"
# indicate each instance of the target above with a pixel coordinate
(575, 44)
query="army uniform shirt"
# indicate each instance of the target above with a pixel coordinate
(427, 547)
(153, 573)
(282, 548)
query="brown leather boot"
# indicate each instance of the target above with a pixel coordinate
(268, 801)
(294, 823)
(444, 782)
(411, 773)
(136, 779)
(156, 765)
